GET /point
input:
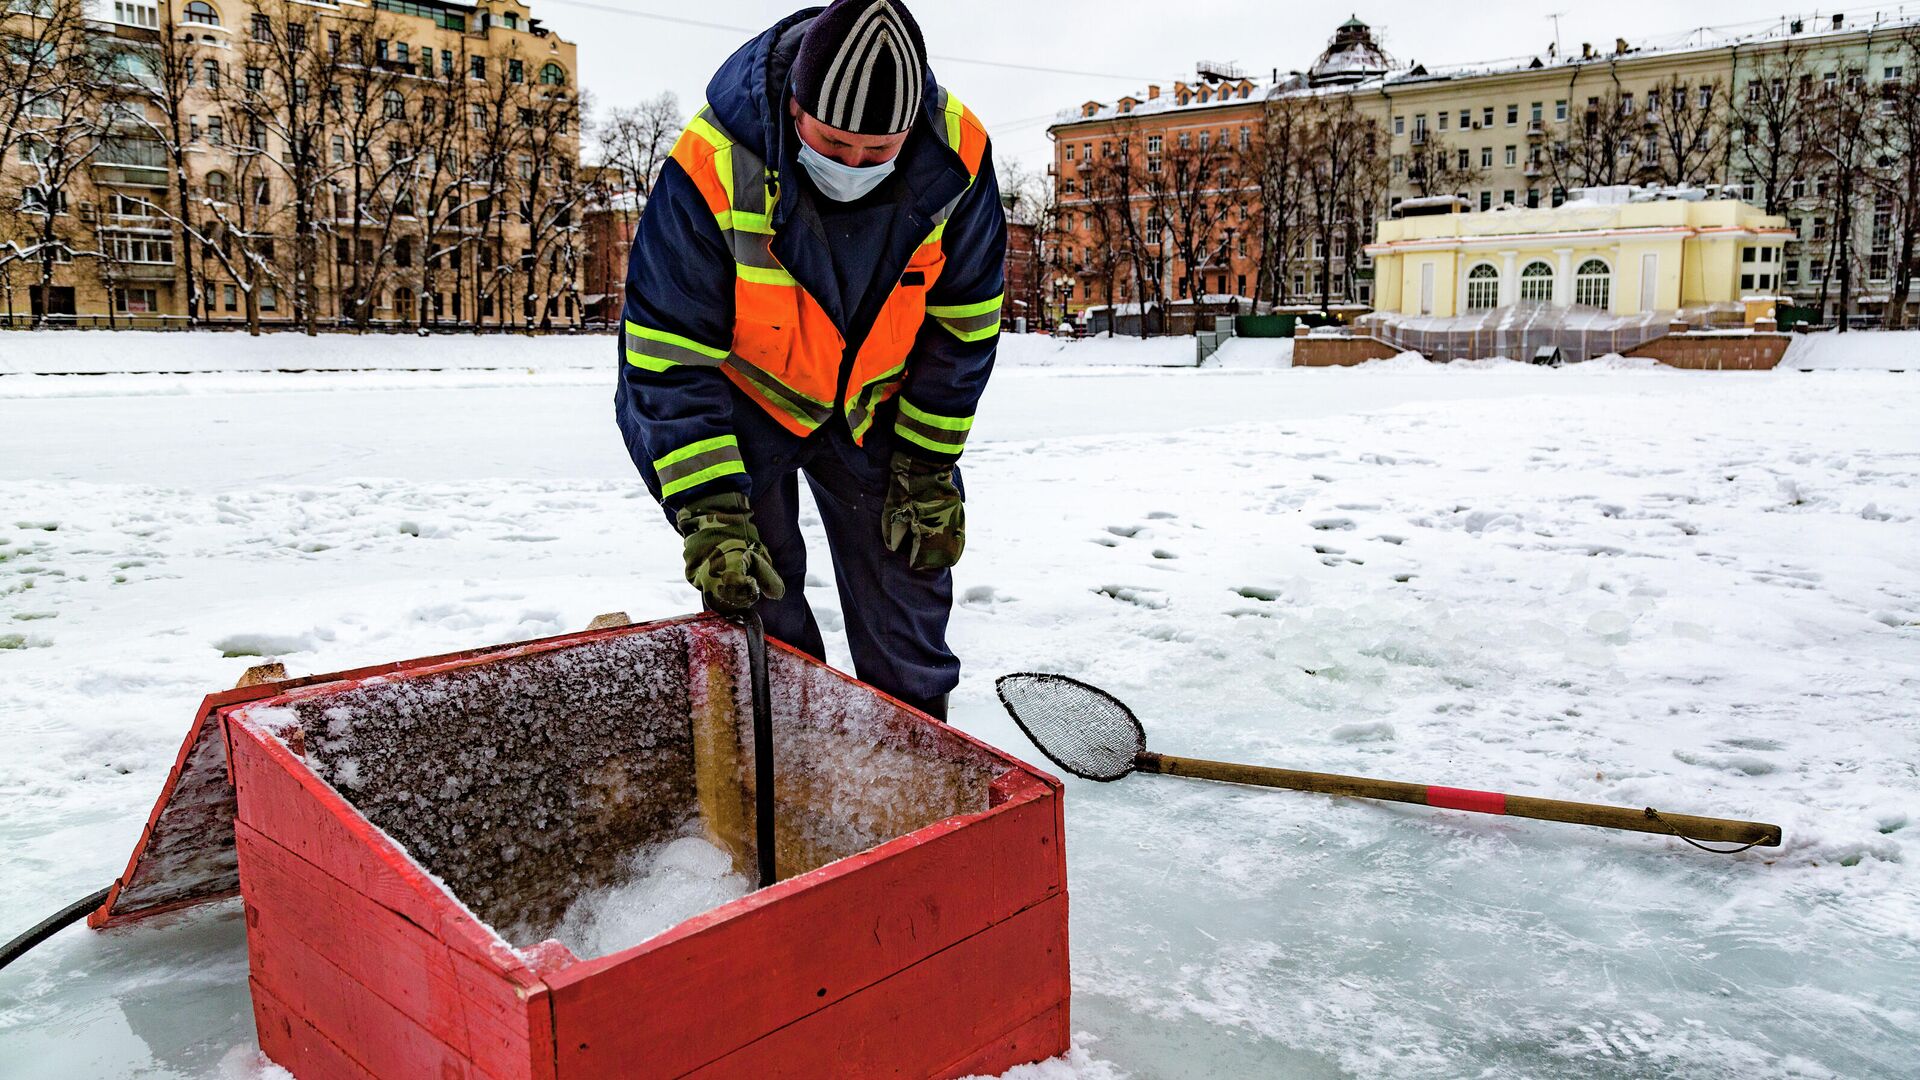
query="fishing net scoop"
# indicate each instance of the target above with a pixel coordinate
(1093, 735)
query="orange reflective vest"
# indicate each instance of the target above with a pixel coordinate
(786, 353)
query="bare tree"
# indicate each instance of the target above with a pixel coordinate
(1610, 142)
(635, 142)
(1276, 163)
(1898, 176)
(1690, 129)
(1033, 208)
(1194, 205)
(1436, 167)
(1772, 141)
(1846, 115)
(1344, 175)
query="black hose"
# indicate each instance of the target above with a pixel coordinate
(763, 811)
(67, 916)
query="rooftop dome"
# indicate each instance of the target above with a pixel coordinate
(1352, 56)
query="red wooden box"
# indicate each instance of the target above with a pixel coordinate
(392, 824)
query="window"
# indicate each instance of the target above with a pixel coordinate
(1399, 125)
(1626, 103)
(1483, 288)
(128, 13)
(1539, 112)
(513, 21)
(1486, 200)
(256, 78)
(216, 130)
(1513, 115)
(1593, 285)
(1486, 158)
(395, 105)
(1466, 119)
(446, 63)
(333, 42)
(1443, 121)
(262, 191)
(1560, 110)
(135, 301)
(1513, 158)
(230, 298)
(1466, 162)
(1536, 283)
(1507, 196)
(516, 71)
(210, 73)
(262, 28)
(479, 67)
(339, 149)
(269, 300)
(555, 75)
(199, 11)
(142, 249)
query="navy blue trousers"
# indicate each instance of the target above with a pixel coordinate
(896, 617)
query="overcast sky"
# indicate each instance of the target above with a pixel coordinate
(1104, 47)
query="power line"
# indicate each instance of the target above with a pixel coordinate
(703, 24)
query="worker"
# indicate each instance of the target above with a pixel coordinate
(815, 288)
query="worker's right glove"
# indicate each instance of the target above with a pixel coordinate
(725, 559)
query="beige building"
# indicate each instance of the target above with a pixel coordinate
(1610, 251)
(1515, 133)
(323, 162)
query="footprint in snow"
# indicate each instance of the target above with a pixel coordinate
(1333, 524)
(1256, 592)
(984, 597)
(1367, 731)
(1152, 599)
(1126, 532)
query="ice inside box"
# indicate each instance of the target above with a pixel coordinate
(601, 792)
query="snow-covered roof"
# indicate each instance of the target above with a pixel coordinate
(1348, 69)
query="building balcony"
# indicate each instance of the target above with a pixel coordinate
(1536, 129)
(143, 272)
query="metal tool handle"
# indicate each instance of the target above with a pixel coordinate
(762, 746)
(1685, 826)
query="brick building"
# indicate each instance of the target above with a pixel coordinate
(304, 162)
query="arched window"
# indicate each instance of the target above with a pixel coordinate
(217, 186)
(199, 11)
(1536, 283)
(1593, 285)
(396, 105)
(553, 75)
(1483, 287)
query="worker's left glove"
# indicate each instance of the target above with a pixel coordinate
(924, 509)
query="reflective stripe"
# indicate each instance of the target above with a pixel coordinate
(861, 406)
(940, 434)
(658, 350)
(753, 249)
(969, 322)
(691, 466)
(810, 413)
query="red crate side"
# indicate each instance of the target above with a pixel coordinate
(948, 1008)
(377, 1036)
(295, 1046)
(803, 945)
(281, 798)
(475, 1012)
(1045, 1036)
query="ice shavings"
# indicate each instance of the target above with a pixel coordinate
(664, 886)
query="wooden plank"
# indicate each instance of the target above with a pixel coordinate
(482, 1017)
(950, 1008)
(282, 799)
(1045, 1036)
(377, 1036)
(805, 944)
(293, 1044)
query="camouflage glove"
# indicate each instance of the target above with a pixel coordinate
(725, 559)
(924, 506)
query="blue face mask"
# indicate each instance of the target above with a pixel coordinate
(842, 183)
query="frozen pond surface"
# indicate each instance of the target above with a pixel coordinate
(1644, 588)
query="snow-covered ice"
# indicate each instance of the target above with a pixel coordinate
(1644, 587)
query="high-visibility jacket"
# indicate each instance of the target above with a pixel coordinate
(727, 289)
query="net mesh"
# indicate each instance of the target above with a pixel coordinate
(1080, 728)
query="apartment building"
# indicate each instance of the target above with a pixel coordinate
(290, 162)
(1519, 134)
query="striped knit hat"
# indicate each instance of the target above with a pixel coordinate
(862, 67)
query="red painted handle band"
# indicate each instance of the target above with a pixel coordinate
(1479, 802)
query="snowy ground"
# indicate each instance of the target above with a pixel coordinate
(1694, 591)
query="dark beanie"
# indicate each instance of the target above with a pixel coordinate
(862, 67)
